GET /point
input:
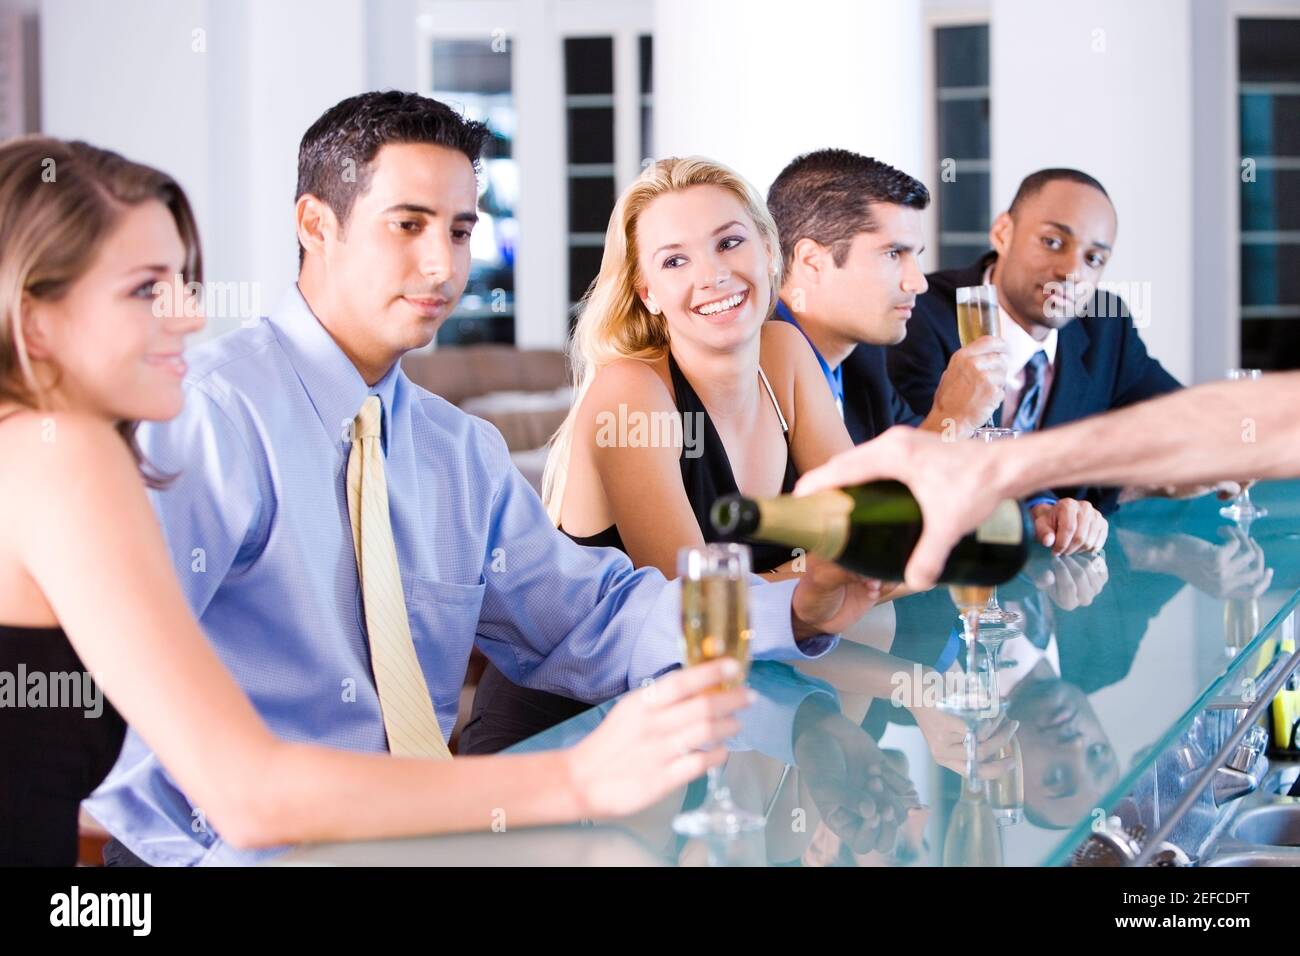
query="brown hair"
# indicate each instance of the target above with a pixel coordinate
(827, 195)
(59, 200)
(349, 135)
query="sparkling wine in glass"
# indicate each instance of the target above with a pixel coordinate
(715, 623)
(978, 315)
(1241, 509)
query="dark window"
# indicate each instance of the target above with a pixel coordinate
(1268, 56)
(961, 185)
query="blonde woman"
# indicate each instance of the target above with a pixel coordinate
(675, 329)
(88, 243)
(685, 392)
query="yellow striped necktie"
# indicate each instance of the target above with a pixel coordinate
(409, 718)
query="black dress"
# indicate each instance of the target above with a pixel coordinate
(54, 749)
(505, 713)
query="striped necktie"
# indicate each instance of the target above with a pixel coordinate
(409, 718)
(1031, 399)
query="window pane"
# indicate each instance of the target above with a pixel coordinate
(478, 330)
(964, 203)
(1269, 50)
(584, 266)
(474, 76)
(959, 256)
(962, 54)
(1270, 274)
(588, 65)
(1270, 343)
(645, 47)
(964, 129)
(1270, 124)
(471, 65)
(591, 199)
(591, 135)
(1272, 202)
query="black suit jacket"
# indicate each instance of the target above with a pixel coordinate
(1101, 362)
(871, 403)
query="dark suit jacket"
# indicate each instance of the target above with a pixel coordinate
(1101, 362)
(871, 403)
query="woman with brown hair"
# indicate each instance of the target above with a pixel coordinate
(90, 343)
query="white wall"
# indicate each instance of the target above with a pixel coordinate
(138, 89)
(217, 93)
(753, 83)
(1106, 87)
(226, 121)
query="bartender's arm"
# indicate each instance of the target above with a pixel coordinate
(1203, 434)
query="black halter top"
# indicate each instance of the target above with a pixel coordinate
(59, 738)
(708, 476)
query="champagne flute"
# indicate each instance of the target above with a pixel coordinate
(978, 315)
(715, 623)
(1241, 509)
(1007, 791)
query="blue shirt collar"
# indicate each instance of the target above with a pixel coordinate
(834, 376)
(333, 384)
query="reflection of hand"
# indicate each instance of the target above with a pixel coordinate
(1223, 489)
(861, 797)
(945, 735)
(1234, 569)
(1069, 526)
(1071, 582)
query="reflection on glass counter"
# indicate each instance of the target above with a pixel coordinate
(1094, 709)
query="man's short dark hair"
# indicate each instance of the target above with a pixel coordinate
(1033, 184)
(826, 196)
(335, 156)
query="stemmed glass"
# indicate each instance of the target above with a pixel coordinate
(715, 623)
(978, 315)
(1241, 509)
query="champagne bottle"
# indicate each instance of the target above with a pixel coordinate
(872, 529)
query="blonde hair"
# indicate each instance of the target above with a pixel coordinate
(59, 201)
(613, 323)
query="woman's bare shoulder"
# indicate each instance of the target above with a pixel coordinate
(49, 449)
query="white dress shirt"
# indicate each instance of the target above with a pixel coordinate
(1021, 348)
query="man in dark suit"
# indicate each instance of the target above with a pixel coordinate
(850, 233)
(1073, 349)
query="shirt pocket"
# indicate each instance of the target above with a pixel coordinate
(444, 621)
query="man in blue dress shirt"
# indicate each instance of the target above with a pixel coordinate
(258, 515)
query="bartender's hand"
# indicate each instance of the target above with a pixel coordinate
(952, 481)
(972, 386)
(828, 599)
(1069, 526)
